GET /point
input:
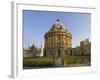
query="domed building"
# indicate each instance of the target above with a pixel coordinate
(57, 40)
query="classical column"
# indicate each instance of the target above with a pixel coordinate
(53, 40)
(62, 39)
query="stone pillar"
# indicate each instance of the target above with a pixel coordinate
(53, 41)
(62, 39)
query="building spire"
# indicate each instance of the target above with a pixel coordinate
(58, 20)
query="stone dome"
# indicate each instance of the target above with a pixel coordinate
(58, 26)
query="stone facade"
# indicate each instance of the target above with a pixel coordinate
(27, 53)
(57, 40)
(83, 49)
(32, 51)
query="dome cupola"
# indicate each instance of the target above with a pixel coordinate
(58, 26)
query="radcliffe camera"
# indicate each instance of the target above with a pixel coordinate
(56, 39)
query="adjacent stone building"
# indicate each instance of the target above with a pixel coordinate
(57, 40)
(32, 51)
(84, 49)
(27, 53)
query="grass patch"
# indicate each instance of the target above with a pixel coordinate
(48, 62)
(43, 61)
(77, 59)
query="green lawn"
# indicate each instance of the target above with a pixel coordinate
(77, 59)
(44, 61)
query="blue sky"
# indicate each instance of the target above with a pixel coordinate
(36, 23)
